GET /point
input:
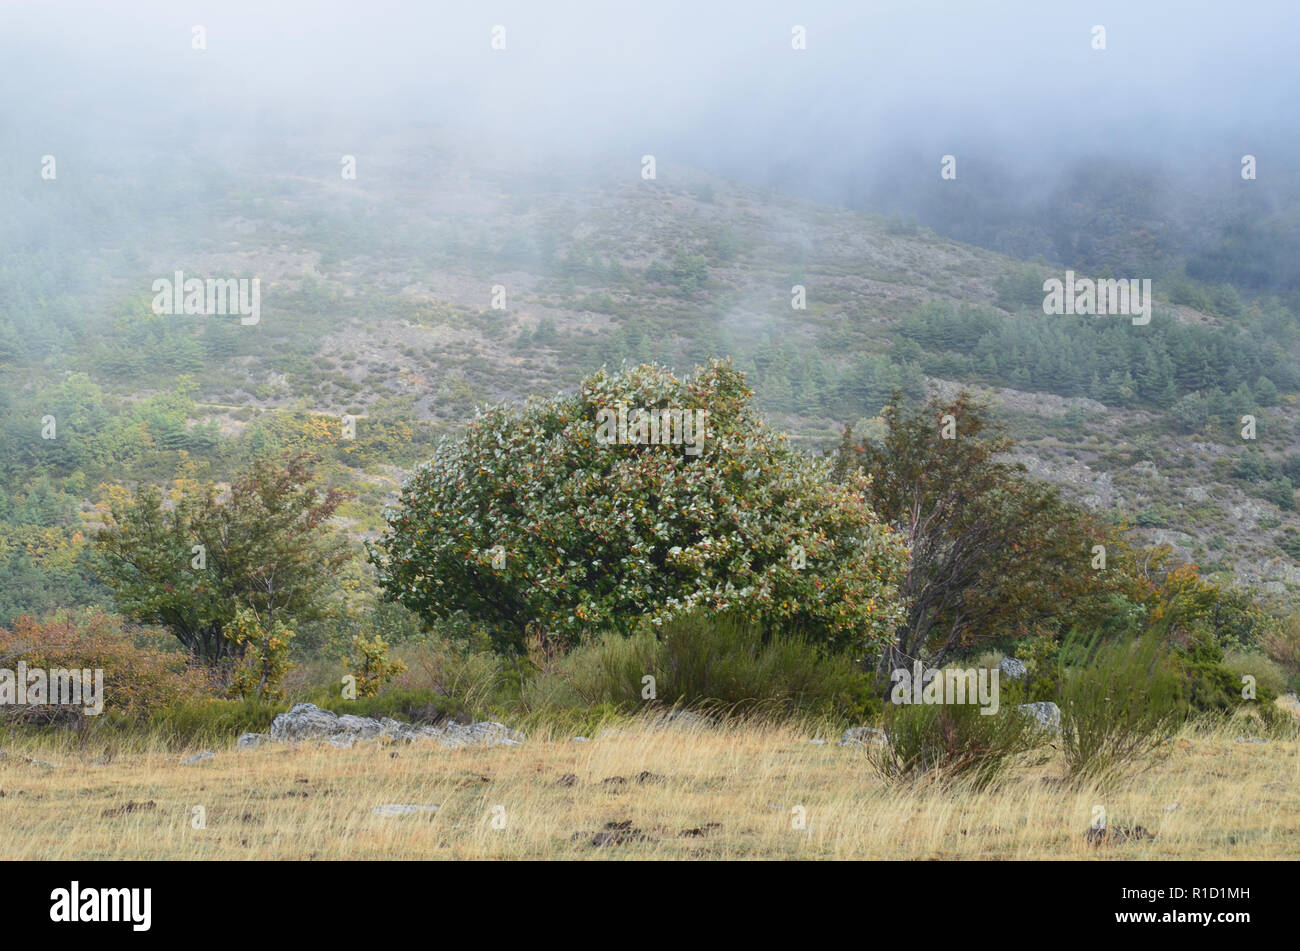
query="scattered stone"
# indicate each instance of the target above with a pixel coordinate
(1045, 712)
(860, 736)
(1012, 668)
(568, 779)
(249, 741)
(199, 757)
(579, 739)
(391, 809)
(306, 721)
(817, 742)
(130, 807)
(645, 776)
(611, 733)
(1172, 806)
(1251, 739)
(614, 781)
(1113, 835)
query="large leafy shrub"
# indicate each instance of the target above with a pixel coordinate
(529, 523)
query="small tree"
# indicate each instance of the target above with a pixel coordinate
(994, 553)
(535, 520)
(192, 567)
(368, 661)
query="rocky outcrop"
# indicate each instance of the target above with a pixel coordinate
(308, 722)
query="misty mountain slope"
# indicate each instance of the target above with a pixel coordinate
(377, 299)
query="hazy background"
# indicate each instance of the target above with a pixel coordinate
(881, 92)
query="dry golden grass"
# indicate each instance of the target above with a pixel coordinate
(1235, 801)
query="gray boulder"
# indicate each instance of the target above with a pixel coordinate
(249, 741)
(1045, 712)
(1012, 669)
(306, 721)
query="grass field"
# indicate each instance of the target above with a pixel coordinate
(726, 793)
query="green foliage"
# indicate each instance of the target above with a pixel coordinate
(714, 661)
(213, 722)
(944, 741)
(994, 553)
(264, 657)
(264, 547)
(527, 522)
(1020, 288)
(1094, 357)
(1270, 676)
(467, 677)
(1210, 684)
(1118, 706)
(368, 662)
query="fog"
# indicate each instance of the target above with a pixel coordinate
(881, 89)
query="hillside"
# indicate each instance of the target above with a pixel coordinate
(377, 301)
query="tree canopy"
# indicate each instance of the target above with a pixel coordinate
(531, 523)
(261, 546)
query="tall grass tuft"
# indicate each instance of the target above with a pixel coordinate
(1118, 706)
